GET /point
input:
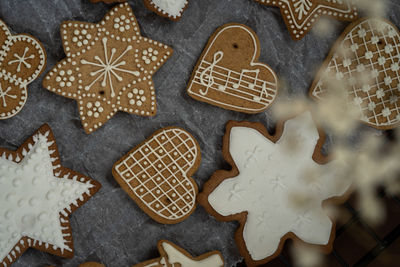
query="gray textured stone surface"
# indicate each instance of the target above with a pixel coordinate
(110, 228)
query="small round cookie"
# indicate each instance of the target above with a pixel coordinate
(22, 58)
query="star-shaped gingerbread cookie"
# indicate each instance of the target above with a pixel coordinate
(109, 67)
(37, 196)
(300, 15)
(260, 191)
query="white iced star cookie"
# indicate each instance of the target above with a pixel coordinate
(109, 68)
(22, 60)
(365, 62)
(172, 255)
(37, 195)
(259, 192)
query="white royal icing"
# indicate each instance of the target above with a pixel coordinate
(268, 174)
(32, 198)
(172, 8)
(175, 256)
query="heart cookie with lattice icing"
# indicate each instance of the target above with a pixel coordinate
(228, 74)
(37, 197)
(109, 68)
(157, 174)
(365, 61)
(172, 255)
(22, 60)
(301, 15)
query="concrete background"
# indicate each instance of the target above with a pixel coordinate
(111, 228)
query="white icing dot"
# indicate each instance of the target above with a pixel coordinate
(33, 201)
(50, 195)
(16, 182)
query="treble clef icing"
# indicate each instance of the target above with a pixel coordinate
(207, 79)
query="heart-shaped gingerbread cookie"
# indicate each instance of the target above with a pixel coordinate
(157, 174)
(228, 74)
(365, 61)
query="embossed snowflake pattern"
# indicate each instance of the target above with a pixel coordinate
(264, 186)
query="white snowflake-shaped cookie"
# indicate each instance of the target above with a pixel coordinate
(268, 174)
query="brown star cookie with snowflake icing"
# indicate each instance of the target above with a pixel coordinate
(22, 60)
(109, 67)
(300, 15)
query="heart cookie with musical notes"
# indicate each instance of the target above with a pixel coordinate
(365, 62)
(172, 255)
(22, 60)
(229, 75)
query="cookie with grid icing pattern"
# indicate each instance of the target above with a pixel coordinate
(157, 174)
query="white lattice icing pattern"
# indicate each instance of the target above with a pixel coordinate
(156, 173)
(367, 63)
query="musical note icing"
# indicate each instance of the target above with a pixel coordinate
(228, 74)
(263, 92)
(210, 79)
(252, 84)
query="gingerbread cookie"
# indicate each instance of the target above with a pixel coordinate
(157, 174)
(91, 264)
(172, 255)
(108, 68)
(228, 74)
(37, 196)
(365, 62)
(22, 60)
(267, 171)
(300, 15)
